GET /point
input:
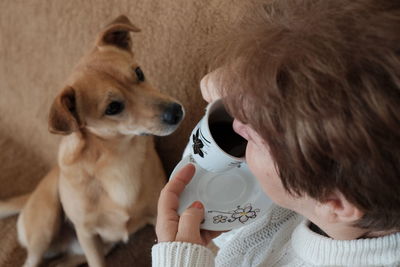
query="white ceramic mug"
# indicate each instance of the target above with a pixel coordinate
(213, 144)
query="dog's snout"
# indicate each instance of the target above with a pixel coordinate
(173, 114)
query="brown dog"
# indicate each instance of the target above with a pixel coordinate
(109, 176)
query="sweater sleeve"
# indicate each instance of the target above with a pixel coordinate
(179, 254)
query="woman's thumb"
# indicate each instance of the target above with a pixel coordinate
(189, 224)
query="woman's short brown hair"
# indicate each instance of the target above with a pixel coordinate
(320, 82)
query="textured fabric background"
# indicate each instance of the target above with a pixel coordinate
(41, 41)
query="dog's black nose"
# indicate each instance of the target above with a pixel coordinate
(173, 114)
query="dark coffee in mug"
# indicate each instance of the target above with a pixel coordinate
(227, 139)
(220, 124)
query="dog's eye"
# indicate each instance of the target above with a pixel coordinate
(114, 108)
(139, 74)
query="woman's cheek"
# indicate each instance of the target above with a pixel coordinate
(262, 166)
(255, 162)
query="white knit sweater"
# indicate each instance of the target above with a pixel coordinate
(282, 238)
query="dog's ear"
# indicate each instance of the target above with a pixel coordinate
(63, 117)
(117, 33)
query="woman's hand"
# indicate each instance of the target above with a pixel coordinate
(208, 86)
(186, 228)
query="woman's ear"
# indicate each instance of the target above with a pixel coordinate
(337, 209)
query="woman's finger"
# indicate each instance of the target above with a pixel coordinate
(189, 224)
(208, 87)
(168, 203)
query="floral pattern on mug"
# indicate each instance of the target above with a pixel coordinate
(220, 219)
(237, 164)
(240, 214)
(244, 214)
(198, 143)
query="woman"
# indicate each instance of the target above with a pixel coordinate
(314, 87)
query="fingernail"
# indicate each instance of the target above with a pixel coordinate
(197, 205)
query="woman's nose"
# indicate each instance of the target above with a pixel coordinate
(240, 128)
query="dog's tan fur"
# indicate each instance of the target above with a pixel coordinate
(109, 175)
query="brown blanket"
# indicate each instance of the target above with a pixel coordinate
(40, 42)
